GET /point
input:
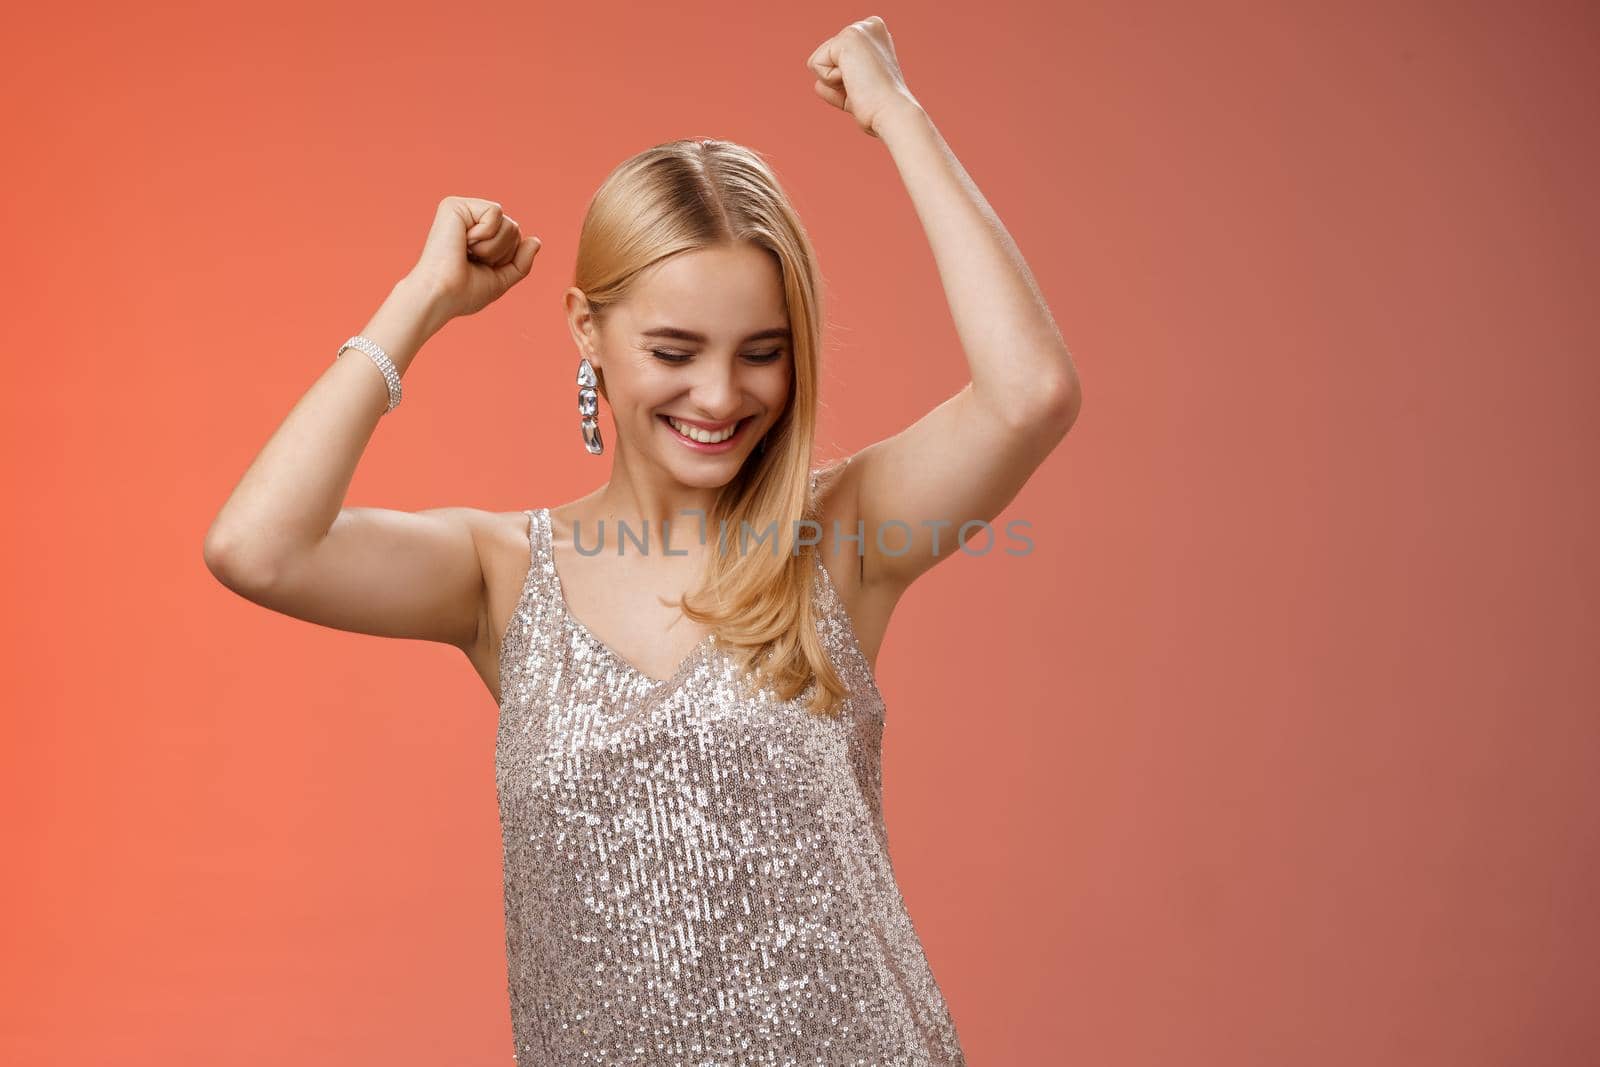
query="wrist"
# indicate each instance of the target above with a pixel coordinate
(903, 116)
(424, 301)
(404, 322)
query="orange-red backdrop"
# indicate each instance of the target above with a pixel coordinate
(1281, 747)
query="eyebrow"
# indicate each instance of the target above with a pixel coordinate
(674, 333)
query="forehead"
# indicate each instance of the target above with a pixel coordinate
(728, 290)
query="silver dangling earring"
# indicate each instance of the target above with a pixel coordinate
(589, 407)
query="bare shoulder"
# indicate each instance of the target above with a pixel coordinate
(504, 549)
(869, 603)
(835, 491)
(501, 533)
(504, 555)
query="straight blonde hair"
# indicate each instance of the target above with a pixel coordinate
(698, 193)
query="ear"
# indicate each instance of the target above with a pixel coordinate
(581, 324)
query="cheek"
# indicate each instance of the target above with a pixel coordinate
(778, 390)
(643, 389)
(771, 383)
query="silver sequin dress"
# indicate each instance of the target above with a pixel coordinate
(692, 878)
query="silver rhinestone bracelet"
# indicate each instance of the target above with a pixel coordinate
(391, 377)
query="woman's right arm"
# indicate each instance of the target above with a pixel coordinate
(285, 540)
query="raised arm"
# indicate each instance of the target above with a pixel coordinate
(969, 457)
(285, 540)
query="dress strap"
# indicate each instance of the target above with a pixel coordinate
(538, 535)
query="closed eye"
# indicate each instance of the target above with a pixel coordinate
(680, 357)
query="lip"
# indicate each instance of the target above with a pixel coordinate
(698, 446)
(712, 426)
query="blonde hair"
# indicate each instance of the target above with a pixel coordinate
(698, 193)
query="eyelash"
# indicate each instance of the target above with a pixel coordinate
(673, 357)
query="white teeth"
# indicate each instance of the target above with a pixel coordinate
(705, 437)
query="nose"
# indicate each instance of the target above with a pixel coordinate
(716, 392)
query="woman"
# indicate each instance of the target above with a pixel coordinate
(689, 738)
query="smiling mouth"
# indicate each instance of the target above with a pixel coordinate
(700, 435)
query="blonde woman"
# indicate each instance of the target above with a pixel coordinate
(688, 754)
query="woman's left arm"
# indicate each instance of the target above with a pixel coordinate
(969, 457)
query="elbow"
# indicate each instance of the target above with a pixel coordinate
(1055, 404)
(1069, 403)
(1048, 407)
(228, 559)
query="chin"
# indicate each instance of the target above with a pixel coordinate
(706, 474)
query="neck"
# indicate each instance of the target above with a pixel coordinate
(662, 505)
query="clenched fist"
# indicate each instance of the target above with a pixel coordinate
(474, 253)
(857, 72)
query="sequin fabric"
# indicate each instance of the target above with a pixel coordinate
(694, 878)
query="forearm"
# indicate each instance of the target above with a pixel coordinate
(293, 490)
(1018, 360)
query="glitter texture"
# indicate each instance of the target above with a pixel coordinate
(691, 877)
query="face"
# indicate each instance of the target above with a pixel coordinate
(700, 347)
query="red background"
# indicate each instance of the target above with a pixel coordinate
(1280, 748)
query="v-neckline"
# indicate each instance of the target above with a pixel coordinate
(650, 680)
